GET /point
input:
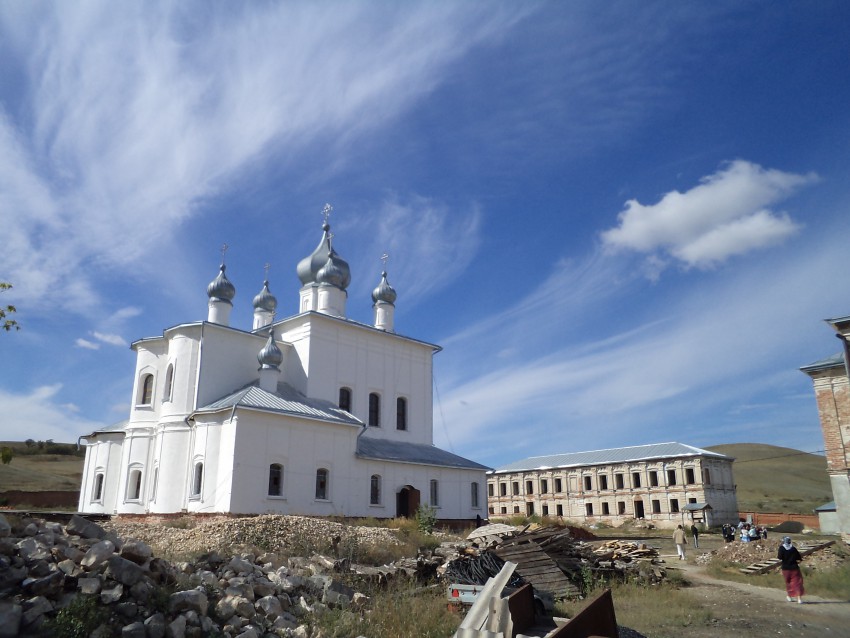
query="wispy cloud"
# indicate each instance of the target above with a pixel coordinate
(140, 116)
(88, 345)
(725, 215)
(113, 340)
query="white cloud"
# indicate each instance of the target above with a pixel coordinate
(726, 214)
(88, 345)
(113, 340)
(36, 415)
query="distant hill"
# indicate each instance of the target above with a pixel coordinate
(777, 479)
(40, 466)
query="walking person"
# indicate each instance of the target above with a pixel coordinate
(680, 539)
(790, 557)
(695, 534)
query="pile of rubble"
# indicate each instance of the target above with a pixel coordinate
(273, 532)
(764, 550)
(552, 559)
(45, 567)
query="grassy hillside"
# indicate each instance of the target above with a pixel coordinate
(777, 479)
(48, 466)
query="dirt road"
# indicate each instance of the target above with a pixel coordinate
(750, 611)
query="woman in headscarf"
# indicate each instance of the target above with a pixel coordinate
(790, 557)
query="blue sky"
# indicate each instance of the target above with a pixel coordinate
(624, 222)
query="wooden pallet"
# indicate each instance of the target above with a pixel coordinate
(537, 568)
(765, 566)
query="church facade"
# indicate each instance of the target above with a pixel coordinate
(314, 414)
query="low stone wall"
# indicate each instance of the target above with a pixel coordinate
(49, 498)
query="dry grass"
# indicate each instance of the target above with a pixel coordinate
(660, 611)
(37, 472)
(399, 612)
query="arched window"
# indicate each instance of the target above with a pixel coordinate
(169, 383)
(97, 492)
(374, 410)
(474, 493)
(134, 484)
(275, 479)
(146, 389)
(345, 399)
(401, 413)
(198, 479)
(435, 493)
(321, 484)
(375, 490)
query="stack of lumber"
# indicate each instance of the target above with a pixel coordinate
(625, 551)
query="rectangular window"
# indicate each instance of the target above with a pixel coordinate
(529, 487)
(503, 489)
(588, 485)
(198, 479)
(653, 479)
(689, 476)
(559, 485)
(692, 500)
(706, 476)
(559, 509)
(375, 490)
(374, 410)
(605, 511)
(97, 492)
(490, 489)
(401, 413)
(603, 482)
(671, 477)
(674, 505)
(474, 494)
(345, 399)
(545, 510)
(515, 488)
(321, 484)
(491, 510)
(504, 510)
(618, 481)
(544, 486)
(275, 479)
(435, 493)
(516, 509)
(621, 507)
(588, 509)
(529, 509)
(656, 506)
(635, 479)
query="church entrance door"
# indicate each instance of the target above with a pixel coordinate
(407, 501)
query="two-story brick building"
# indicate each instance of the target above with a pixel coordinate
(661, 482)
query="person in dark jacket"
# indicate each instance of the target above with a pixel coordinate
(790, 557)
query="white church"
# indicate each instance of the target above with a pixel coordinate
(315, 414)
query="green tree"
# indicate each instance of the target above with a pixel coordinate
(6, 454)
(7, 324)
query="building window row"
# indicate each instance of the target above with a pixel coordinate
(603, 483)
(374, 417)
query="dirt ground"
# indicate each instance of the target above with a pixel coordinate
(750, 610)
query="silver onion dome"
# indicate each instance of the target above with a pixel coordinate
(309, 267)
(220, 288)
(265, 300)
(334, 272)
(270, 356)
(384, 292)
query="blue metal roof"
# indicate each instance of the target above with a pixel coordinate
(286, 400)
(834, 361)
(383, 450)
(826, 507)
(606, 457)
(120, 426)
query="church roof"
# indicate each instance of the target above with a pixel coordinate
(605, 457)
(403, 452)
(286, 400)
(120, 426)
